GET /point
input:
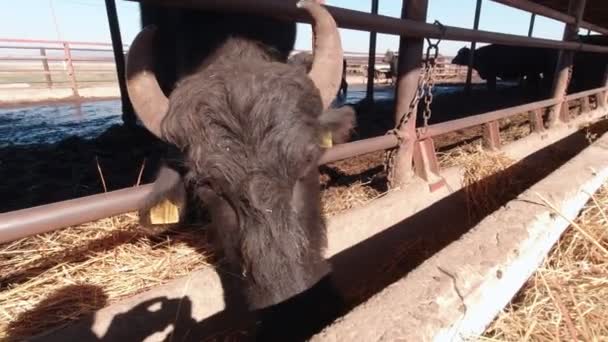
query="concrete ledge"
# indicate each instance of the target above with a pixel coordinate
(456, 293)
(346, 230)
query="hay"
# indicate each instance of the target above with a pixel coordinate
(54, 278)
(482, 197)
(340, 198)
(566, 299)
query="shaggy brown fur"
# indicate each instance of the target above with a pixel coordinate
(247, 126)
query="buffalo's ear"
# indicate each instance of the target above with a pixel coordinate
(166, 202)
(340, 122)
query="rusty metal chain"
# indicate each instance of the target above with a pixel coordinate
(430, 64)
(424, 90)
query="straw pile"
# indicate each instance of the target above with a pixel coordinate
(567, 297)
(51, 279)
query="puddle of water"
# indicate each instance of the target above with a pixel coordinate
(51, 123)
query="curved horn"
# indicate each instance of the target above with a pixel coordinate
(149, 101)
(326, 71)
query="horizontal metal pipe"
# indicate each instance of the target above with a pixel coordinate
(454, 125)
(58, 59)
(589, 92)
(363, 21)
(45, 218)
(357, 148)
(535, 8)
(47, 41)
(23, 47)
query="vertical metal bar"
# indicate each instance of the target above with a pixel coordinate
(128, 114)
(467, 87)
(576, 8)
(371, 63)
(531, 28)
(408, 73)
(491, 135)
(71, 73)
(47, 70)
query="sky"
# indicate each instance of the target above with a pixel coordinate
(85, 20)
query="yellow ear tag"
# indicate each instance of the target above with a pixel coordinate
(164, 213)
(326, 139)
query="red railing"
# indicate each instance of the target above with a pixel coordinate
(55, 64)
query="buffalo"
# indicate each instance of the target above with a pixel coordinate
(244, 128)
(511, 63)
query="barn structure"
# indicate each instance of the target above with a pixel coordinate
(440, 299)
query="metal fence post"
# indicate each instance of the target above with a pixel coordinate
(71, 73)
(576, 8)
(408, 73)
(371, 64)
(531, 28)
(45, 66)
(467, 87)
(128, 113)
(491, 135)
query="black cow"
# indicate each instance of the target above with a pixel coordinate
(589, 68)
(510, 63)
(216, 87)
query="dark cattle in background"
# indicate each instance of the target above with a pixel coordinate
(511, 63)
(589, 68)
(392, 59)
(304, 60)
(245, 125)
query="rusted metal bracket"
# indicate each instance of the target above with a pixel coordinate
(585, 105)
(491, 135)
(564, 113)
(537, 124)
(426, 164)
(601, 99)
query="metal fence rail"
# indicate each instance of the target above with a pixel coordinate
(535, 8)
(357, 20)
(55, 64)
(45, 218)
